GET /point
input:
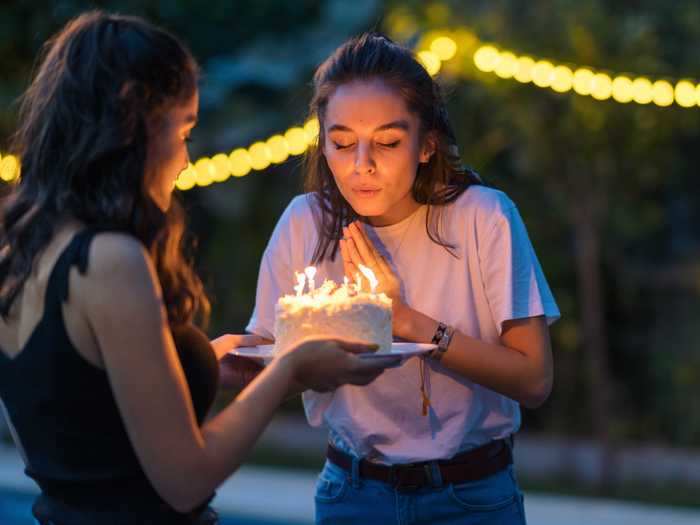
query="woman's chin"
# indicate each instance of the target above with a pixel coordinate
(366, 209)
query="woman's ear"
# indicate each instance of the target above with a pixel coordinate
(428, 148)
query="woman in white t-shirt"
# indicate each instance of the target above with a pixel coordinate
(429, 441)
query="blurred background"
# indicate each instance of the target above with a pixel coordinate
(584, 111)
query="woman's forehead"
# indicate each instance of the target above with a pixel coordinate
(366, 104)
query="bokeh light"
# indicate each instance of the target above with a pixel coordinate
(431, 62)
(444, 48)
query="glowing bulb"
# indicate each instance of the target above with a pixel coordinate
(486, 58)
(601, 86)
(279, 149)
(186, 179)
(312, 129)
(205, 172)
(296, 140)
(662, 93)
(583, 79)
(523, 72)
(685, 94)
(430, 61)
(240, 162)
(507, 65)
(642, 91)
(222, 167)
(622, 89)
(260, 156)
(542, 73)
(562, 79)
(444, 47)
(9, 168)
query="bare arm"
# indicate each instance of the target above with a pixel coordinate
(520, 367)
(237, 372)
(121, 298)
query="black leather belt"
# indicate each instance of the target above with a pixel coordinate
(472, 465)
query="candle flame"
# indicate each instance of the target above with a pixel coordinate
(358, 282)
(310, 272)
(301, 282)
(330, 293)
(373, 282)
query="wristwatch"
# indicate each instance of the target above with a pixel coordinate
(442, 338)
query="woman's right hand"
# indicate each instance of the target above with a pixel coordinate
(325, 364)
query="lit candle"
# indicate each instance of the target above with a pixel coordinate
(301, 281)
(373, 282)
(358, 282)
(310, 272)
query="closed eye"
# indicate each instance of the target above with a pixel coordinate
(390, 144)
(342, 146)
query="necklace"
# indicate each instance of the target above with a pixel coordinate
(394, 251)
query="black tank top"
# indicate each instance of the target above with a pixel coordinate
(64, 413)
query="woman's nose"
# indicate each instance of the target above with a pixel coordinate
(364, 161)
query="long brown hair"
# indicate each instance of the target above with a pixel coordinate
(82, 139)
(438, 182)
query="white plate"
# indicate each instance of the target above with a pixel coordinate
(260, 353)
(402, 351)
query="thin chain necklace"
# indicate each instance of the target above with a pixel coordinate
(394, 253)
(425, 396)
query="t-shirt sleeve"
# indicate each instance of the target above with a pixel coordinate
(275, 277)
(515, 285)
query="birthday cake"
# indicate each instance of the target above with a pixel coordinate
(344, 311)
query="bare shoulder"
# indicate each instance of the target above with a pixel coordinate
(117, 252)
(119, 271)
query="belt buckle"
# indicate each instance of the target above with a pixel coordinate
(398, 473)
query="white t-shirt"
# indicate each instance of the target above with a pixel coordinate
(496, 277)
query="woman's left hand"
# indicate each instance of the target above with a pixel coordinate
(236, 371)
(356, 248)
(224, 344)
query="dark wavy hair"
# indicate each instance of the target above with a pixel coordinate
(82, 138)
(438, 182)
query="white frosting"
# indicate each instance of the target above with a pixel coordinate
(343, 314)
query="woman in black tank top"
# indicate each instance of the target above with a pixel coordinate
(105, 379)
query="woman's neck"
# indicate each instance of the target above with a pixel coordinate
(400, 211)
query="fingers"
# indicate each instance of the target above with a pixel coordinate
(383, 265)
(237, 340)
(356, 347)
(224, 344)
(364, 246)
(366, 371)
(366, 378)
(237, 372)
(353, 253)
(349, 267)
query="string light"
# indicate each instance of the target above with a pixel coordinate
(585, 81)
(9, 168)
(241, 161)
(435, 49)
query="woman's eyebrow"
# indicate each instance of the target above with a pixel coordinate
(396, 124)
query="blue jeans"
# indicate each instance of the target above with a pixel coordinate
(345, 498)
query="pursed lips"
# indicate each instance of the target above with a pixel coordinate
(366, 192)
